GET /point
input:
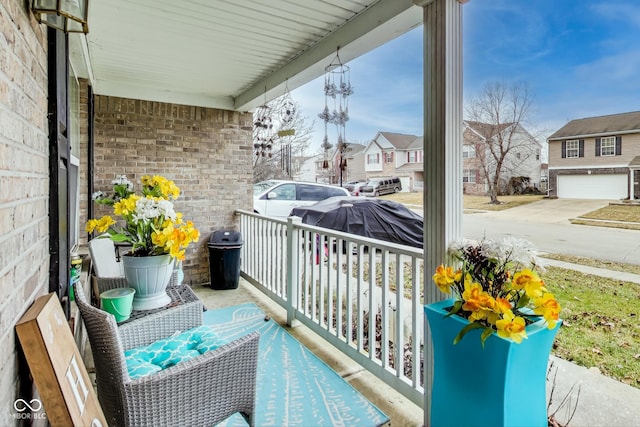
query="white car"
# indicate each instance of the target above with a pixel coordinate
(275, 198)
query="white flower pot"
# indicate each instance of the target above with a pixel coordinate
(149, 276)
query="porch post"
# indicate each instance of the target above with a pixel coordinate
(442, 149)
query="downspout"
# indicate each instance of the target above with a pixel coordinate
(90, 122)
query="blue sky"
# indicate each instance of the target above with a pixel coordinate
(581, 58)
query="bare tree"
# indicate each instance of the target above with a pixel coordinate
(281, 135)
(498, 117)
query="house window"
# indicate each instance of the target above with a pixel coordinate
(388, 157)
(412, 156)
(373, 159)
(517, 155)
(573, 147)
(608, 146)
(468, 151)
(469, 175)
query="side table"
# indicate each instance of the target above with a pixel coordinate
(182, 313)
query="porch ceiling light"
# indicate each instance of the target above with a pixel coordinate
(69, 16)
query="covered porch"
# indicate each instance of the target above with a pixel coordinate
(159, 87)
(400, 410)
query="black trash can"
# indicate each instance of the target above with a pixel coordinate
(224, 258)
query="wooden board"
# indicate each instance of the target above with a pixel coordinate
(57, 366)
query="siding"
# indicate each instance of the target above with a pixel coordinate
(207, 152)
(24, 187)
(630, 149)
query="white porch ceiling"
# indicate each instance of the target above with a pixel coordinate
(226, 53)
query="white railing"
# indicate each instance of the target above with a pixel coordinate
(347, 289)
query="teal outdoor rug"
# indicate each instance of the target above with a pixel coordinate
(294, 387)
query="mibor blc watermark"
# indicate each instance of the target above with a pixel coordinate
(28, 410)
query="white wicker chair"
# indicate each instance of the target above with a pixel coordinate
(202, 391)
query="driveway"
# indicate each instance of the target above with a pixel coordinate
(549, 210)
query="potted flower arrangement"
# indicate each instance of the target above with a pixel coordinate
(499, 300)
(158, 235)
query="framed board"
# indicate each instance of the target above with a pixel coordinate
(57, 367)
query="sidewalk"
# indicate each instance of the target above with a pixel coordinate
(600, 400)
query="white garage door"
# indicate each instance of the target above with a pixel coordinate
(406, 183)
(592, 186)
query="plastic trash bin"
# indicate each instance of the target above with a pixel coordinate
(224, 258)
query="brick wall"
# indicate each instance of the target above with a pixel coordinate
(24, 187)
(207, 152)
(84, 165)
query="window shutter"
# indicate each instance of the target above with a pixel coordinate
(618, 145)
(581, 148)
(564, 149)
(477, 175)
(598, 150)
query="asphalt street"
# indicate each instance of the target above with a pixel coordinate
(546, 224)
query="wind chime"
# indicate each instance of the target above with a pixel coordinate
(263, 125)
(337, 89)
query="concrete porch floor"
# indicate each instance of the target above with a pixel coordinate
(401, 411)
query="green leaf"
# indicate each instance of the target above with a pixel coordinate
(485, 335)
(471, 326)
(456, 308)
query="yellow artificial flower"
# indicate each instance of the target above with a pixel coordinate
(528, 280)
(549, 308)
(512, 327)
(477, 301)
(126, 207)
(444, 277)
(100, 225)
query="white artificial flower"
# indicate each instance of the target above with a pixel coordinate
(98, 195)
(122, 180)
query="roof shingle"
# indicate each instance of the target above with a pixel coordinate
(601, 125)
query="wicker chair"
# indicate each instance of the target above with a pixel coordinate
(202, 391)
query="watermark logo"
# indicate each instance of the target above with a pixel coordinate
(28, 410)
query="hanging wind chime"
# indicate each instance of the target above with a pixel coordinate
(337, 89)
(263, 130)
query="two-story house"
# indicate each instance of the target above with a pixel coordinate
(334, 167)
(523, 156)
(596, 158)
(396, 154)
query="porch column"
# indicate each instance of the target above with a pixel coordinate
(442, 149)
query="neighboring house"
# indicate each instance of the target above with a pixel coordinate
(307, 169)
(596, 158)
(352, 169)
(524, 158)
(396, 154)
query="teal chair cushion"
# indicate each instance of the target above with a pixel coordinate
(170, 351)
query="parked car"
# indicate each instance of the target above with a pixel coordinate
(376, 218)
(276, 198)
(354, 187)
(380, 186)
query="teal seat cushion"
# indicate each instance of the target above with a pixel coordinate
(170, 351)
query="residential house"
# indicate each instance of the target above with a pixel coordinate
(335, 168)
(396, 154)
(132, 97)
(523, 159)
(306, 168)
(596, 158)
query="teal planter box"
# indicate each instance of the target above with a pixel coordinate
(503, 384)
